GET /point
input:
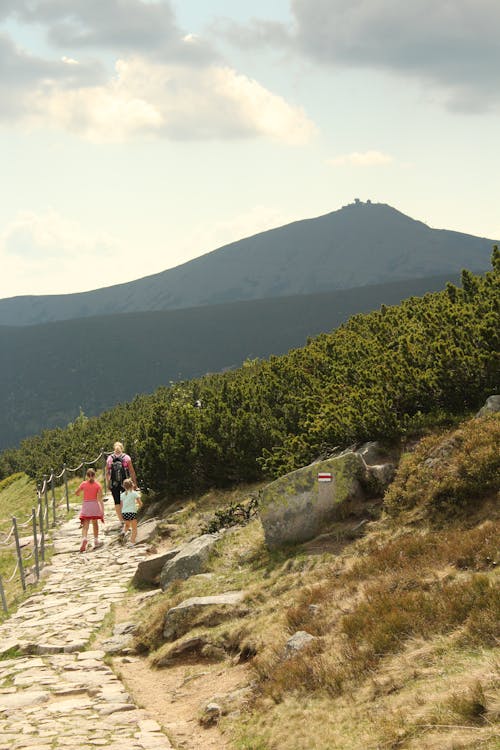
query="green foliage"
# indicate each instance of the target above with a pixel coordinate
(4, 483)
(380, 375)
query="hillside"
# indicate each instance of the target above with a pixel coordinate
(379, 633)
(360, 244)
(49, 372)
(384, 374)
(402, 615)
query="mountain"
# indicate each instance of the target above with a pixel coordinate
(358, 245)
(52, 370)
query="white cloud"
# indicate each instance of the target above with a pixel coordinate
(49, 235)
(361, 159)
(39, 252)
(174, 101)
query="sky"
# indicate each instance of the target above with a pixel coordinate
(136, 135)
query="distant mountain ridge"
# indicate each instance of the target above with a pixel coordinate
(361, 244)
(52, 370)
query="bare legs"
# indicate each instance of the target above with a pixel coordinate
(133, 526)
(85, 531)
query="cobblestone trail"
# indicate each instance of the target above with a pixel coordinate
(58, 694)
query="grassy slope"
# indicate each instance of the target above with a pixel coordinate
(407, 617)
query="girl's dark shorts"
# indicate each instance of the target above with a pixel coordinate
(129, 516)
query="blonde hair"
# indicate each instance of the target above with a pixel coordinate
(128, 484)
(118, 447)
(90, 475)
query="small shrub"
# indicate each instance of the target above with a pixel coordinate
(236, 514)
(4, 483)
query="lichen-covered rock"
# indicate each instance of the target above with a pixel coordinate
(296, 506)
(491, 406)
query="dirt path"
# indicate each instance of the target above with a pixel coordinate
(175, 696)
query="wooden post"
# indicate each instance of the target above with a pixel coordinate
(42, 529)
(19, 555)
(4, 600)
(35, 545)
(65, 474)
(46, 498)
(104, 480)
(52, 481)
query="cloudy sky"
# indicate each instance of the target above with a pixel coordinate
(137, 134)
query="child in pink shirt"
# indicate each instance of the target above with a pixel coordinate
(92, 508)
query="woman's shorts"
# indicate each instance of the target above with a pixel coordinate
(129, 516)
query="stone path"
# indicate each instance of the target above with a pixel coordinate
(60, 694)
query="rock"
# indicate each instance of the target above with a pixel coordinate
(23, 698)
(148, 571)
(295, 507)
(179, 620)
(10, 645)
(491, 406)
(297, 642)
(183, 649)
(118, 644)
(224, 704)
(146, 531)
(211, 714)
(189, 561)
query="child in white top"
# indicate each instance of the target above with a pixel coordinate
(130, 501)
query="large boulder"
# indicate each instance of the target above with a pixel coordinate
(491, 406)
(212, 609)
(297, 506)
(189, 561)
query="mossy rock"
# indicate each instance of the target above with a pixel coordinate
(297, 506)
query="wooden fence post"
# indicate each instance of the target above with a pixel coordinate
(19, 555)
(46, 498)
(52, 482)
(65, 473)
(104, 480)
(42, 529)
(35, 545)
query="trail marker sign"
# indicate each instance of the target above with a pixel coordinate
(324, 476)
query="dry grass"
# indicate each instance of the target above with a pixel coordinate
(447, 474)
(405, 619)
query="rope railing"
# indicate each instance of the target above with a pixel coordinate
(4, 542)
(40, 522)
(16, 568)
(26, 523)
